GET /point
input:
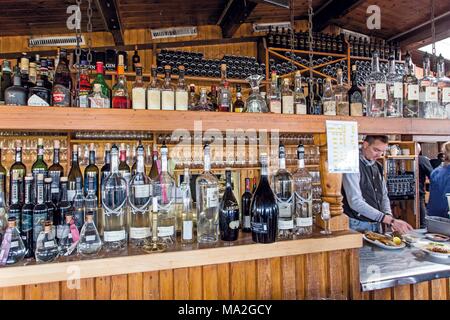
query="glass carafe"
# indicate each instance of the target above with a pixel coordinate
(255, 102)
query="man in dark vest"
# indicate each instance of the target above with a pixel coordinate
(365, 193)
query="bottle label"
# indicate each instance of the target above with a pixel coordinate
(329, 108)
(356, 109)
(398, 90)
(99, 103)
(138, 98)
(27, 222)
(37, 101)
(181, 100)
(300, 108)
(247, 222)
(380, 91)
(431, 94)
(304, 222)
(212, 197)
(165, 231)
(285, 210)
(413, 92)
(38, 224)
(142, 191)
(112, 236)
(288, 104)
(234, 224)
(71, 195)
(187, 230)
(91, 239)
(49, 244)
(275, 106)
(285, 224)
(14, 244)
(55, 175)
(258, 227)
(139, 233)
(83, 100)
(446, 94)
(154, 99)
(168, 100)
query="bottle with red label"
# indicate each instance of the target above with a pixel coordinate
(85, 86)
(121, 99)
(62, 86)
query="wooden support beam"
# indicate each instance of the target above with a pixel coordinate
(234, 14)
(333, 9)
(108, 11)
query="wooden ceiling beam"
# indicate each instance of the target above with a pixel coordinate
(333, 9)
(108, 11)
(234, 14)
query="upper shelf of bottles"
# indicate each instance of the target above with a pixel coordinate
(76, 119)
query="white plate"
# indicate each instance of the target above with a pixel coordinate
(382, 245)
(422, 231)
(432, 237)
(422, 246)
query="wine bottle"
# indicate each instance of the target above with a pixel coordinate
(74, 174)
(187, 214)
(56, 171)
(229, 213)
(15, 208)
(51, 207)
(39, 166)
(91, 171)
(26, 227)
(64, 207)
(40, 210)
(245, 206)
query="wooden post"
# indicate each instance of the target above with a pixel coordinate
(331, 188)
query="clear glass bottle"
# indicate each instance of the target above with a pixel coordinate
(124, 168)
(138, 90)
(287, 98)
(203, 103)
(12, 248)
(394, 82)
(239, 104)
(443, 87)
(181, 94)
(428, 93)
(90, 242)
(299, 97)
(114, 198)
(40, 209)
(167, 92)
(303, 196)
(207, 194)
(283, 187)
(139, 200)
(376, 90)
(97, 99)
(255, 102)
(3, 172)
(70, 236)
(3, 212)
(328, 99)
(120, 96)
(91, 200)
(275, 95)
(154, 92)
(225, 99)
(410, 90)
(46, 246)
(341, 96)
(229, 212)
(187, 213)
(78, 204)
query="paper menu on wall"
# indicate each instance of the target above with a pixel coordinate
(342, 142)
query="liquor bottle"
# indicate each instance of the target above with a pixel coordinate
(26, 227)
(15, 207)
(135, 59)
(245, 207)
(39, 96)
(394, 82)
(74, 174)
(5, 79)
(193, 97)
(154, 92)
(124, 169)
(376, 90)
(39, 166)
(85, 86)
(207, 196)
(139, 199)
(275, 95)
(106, 168)
(355, 96)
(2, 172)
(16, 95)
(100, 80)
(164, 190)
(64, 207)
(138, 90)
(62, 84)
(328, 99)
(299, 97)
(12, 248)
(46, 246)
(91, 200)
(91, 171)
(51, 207)
(303, 196)
(90, 242)
(78, 203)
(69, 236)
(181, 94)
(114, 198)
(410, 90)
(239, 104)
(316, 106)
(225, 99)
(120, 97)
(264, 208)
(167, 92)
(97, 99)
(341, 96)
(213, 98)
(56, 171)
(40, 210)
(203, 103)
(24, 73)
(287, 98)
(3, 213)
(45, 76)
(229, 212)
(443, 83)
(187, 213)
(428, 93)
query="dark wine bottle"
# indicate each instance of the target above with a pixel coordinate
(40, 209)
(39, 166)
(74, 173)
(91, 171)
(3, 173)
(56, 171)
(51, 207)
(15, 208)
(246, 201)
(229, 213)
(264, 209)
(26, 227)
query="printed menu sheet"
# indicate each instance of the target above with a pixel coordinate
(343, 151)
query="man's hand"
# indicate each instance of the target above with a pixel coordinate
(401, 226)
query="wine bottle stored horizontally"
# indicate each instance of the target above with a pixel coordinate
(229, 213)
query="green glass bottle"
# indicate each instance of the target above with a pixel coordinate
(21, 170)
(74, 173)
(39, 166)
(100, 79)
(91, 171)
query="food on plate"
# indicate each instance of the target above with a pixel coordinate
(437, 237)
(438, 248)
(384, 239)
(397, 241)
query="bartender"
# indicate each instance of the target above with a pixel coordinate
(366, 200)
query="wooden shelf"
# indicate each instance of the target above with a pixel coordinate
(411, 157)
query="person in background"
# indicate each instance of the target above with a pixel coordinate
(366, 200)
(440, 186)
(438, 161)
(425, 170)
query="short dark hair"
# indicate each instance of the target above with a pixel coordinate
(371, 139)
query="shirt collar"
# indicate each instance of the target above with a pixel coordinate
(365, 161)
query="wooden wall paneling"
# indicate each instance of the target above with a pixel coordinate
(50, 291)
(316, 280)
(181, 283)
(33, 292)
(87, 289)
(353, 275)
(383, 294)
(250, 280)
(439, 289)
(210, 285)
(166, 284)
(237, 280)
(68, 290)
(119, 287)
(12, 293)
(196, 283)
(151, 285)
(336, 269)
(223, 281)
(288, 284)
(276, 277)
(300, 277)
(402, 292)
(264, 279)
(103, 288)
(421, 291)
(135, 286)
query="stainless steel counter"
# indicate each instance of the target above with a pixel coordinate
(380, 268)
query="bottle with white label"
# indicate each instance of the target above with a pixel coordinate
(229, 212)
(428, 93)
(90, 242)
(394, 82)
(443, 83)
(302, 196)
(275, 95)
(341, 96)
(40, 210)
(376, 90)
(328, 99)
(139, 200)
(97, 100)
(167, 92)
(207, 196)
(283, 187)
(164, 190)
(39, 96)
(181, 93)
(12, 248)
(410, 90)
(114, 201)
(154, 92)
(68, 240)
(74, 174)
(287, 98)
(187, 213)
(299, 97)
(138, 90)
(355, 96)
(46, 246)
